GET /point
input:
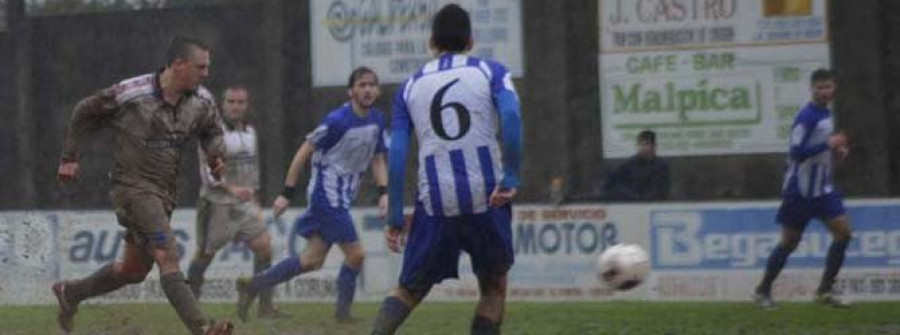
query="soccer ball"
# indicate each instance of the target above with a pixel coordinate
(623, 266)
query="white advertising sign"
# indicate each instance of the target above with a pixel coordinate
(698, 252)
(710, 77)
(719, 252)
(391, 36)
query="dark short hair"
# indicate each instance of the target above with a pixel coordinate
(180, 47)
(451, 28)
(358, 73)
(647, 136)
(235, 87)
(821, 75)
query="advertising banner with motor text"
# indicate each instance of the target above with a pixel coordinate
(698, 252)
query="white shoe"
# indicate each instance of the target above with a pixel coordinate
(764, 301)
(831, 298)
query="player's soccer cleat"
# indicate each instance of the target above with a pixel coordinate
(271, 313)
(66, 314)
(764, 301)
(830, 298)
(220, 327)
(245, 298)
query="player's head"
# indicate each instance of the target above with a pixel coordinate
(823, 85)
(362, 87)
(235, 104)
(646, 142)
(188, 59)
(451, 30)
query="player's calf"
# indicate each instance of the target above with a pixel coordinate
(196, 271)
(390, 316)
(174, 284)
(346, 287)
(489, 312)
(396, 308)
(245, 297)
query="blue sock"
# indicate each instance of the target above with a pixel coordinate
(392, 313)
(776, 262)
(281, 272)
(346, 287)
(836, 253)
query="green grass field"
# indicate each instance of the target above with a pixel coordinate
(522, 318)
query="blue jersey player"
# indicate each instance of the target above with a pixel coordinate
(808, 192)
(347, 142)
(457, 106)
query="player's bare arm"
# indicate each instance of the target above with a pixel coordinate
(379, 171)
(293, 174)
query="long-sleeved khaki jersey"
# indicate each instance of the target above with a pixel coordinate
(149, 132)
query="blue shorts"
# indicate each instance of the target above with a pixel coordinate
(334, 225)
(434, 244)
(796, 212)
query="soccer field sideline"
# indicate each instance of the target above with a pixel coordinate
(602, 317)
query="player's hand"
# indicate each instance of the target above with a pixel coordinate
(216, 167)
(843, 152)
(67, 172)
(395, 237)
(838, 141)
(502, 196)
(242, 193)
(279, 205)
(382, 206)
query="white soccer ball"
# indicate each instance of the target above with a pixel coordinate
(623, 266)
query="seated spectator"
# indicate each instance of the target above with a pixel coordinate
(556, 192)
(643, 177)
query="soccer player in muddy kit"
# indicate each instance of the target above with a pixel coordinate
(152, 117)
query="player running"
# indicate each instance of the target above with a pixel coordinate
(152, 116)
(808, 193)
(228, 210)
(348, 141)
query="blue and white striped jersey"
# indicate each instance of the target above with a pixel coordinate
(452, 103)
(345, 144)
(809, 164)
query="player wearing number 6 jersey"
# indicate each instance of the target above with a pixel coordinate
(457, 105)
